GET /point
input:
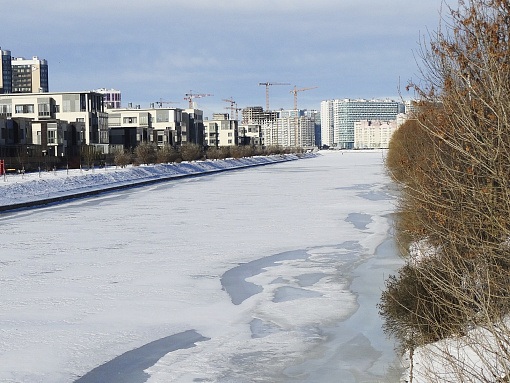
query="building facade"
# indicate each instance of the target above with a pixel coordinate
(5, 72)
(112, 98)
(29, 75)
(128, 127)
(346, 112)
(83, 110)
(221, 131)
(373, 134)
(290, 129)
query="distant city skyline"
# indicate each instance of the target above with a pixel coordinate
(160, 50)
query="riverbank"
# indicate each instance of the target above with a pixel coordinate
(18, 191)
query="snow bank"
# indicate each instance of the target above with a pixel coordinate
(18, 191)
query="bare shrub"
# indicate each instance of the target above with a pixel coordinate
(455, 174)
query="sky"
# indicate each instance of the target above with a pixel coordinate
(159, 50)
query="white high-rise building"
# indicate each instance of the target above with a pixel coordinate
(327, 123)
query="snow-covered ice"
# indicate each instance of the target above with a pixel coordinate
(271, 271)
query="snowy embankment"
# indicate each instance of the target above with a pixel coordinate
(32, 189)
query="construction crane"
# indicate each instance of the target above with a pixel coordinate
(231, 107)
(268, 84)
(191, 96)
(161, 102)
(296, 90)
(297, 136)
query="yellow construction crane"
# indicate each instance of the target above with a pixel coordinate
(191, 96)
(296, 90)
(268, 84)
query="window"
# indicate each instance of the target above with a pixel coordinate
(52, 136)
(44, 109)
(6, 110)
(129, 120)
(25, 108)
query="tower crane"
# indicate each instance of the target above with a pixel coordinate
(268, 84)
(234, 109)
(296, 90)
(231, 107)
(191, 96)
(298, 139)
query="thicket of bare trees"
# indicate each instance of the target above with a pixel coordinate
(147, 153)
(451, 304)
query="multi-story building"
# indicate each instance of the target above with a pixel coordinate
(327, 124)
(346, 112)
(256, 115)
(291, 129)
(250, 134)
(29, 75)
(128, 127)
(221, 131)
(112, 98)
(83, 110)
(373, 134)
(5, 72)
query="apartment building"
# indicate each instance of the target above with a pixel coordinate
(5, 72)
(291, 129)
(128, 127)
(83, 110)
(221, 131)
(373, 134)
(346, 112)
(327, 123)
(112, 98)
(29, 75)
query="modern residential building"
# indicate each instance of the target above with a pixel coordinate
(291, 129)
(83, 110)
(250, 134)
(128, 127)
(327, 123)
(221, 131)
(112, 98)
(373, 134)
(29, 75)
(5, 72)
(346, 112)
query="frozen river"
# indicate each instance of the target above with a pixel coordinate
(269, 274)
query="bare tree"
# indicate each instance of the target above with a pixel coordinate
(452, 305)
(145, 153)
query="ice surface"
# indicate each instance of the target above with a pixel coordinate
(84, 282)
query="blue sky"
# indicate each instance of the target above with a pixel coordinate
(162, 49)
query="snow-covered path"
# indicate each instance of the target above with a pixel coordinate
(257, 265)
